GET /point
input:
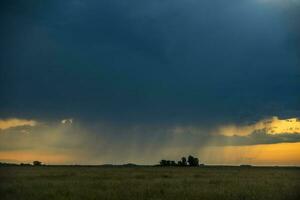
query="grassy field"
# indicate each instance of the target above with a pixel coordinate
(149, 183)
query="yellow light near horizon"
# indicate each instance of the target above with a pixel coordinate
(266, 154)
(270, 126)
(283, 154)
(29, 156)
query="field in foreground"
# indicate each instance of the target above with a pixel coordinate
(149, 183)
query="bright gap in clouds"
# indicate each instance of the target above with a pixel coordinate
(14, 122)
(270, 126)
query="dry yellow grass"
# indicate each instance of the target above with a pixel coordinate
(133, 183)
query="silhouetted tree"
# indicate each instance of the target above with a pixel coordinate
(183, 160)
(25, 164)
(196, 162)
(37, 163)
(163, 163)
(193, 161)
(167, 163)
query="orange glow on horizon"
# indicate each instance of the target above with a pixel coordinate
(29, 156)
(266, 154)
(271, 154)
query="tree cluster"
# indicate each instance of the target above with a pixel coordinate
(191, 161)
(37, 163)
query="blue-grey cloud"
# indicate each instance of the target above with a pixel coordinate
(158, 62)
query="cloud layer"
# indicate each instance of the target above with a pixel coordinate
(147, 79)
(70, 143)
(150, 62)
(272, 126)
(11, 123)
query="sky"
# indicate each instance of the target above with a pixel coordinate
(113, 81)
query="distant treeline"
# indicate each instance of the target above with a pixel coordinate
(8, 164)
(34, 163)
(190, 161)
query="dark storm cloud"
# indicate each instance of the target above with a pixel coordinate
(146, 62)
(292, 16)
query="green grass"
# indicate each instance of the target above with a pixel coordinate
(149, 183)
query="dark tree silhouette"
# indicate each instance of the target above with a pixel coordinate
(173, 163)
(167, 163)
(25, 164)
(196, 162)
(193, 161)
(37, 163)
(183, 160)
(163, 163)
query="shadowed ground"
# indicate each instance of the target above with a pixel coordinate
(149, 183)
